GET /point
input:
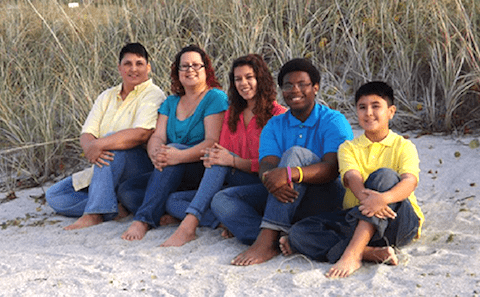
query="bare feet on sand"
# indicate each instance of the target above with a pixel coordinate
(136, 231)
(87, 220)
(122, 213)
(350, 263)
(225, 233)
(262, 250)
(167, 219)
(184, 233)
(285, 246)
(344, 267)
(384, 255)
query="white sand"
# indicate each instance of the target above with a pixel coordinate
(41, 259)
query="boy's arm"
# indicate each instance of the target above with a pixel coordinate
(376, 203)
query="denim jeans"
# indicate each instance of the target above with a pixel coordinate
(101, 196)
(160, 185)
(198, 202)
(326, 236)
(246, 209)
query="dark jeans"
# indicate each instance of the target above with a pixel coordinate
(325, 237)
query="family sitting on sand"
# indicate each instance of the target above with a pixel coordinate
(282, 181)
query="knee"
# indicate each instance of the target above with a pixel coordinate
(222, 206)
(382, 180)
(298, 156)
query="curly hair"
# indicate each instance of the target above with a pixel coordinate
(177, 87)
(264, 98)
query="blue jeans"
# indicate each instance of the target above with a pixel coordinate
(160, 184)
(326, 236)
(198, 202)
(101, 196)
(246, 209)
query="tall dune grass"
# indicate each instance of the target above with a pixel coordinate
(54, 60)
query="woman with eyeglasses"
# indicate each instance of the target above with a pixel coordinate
(189, 121)
(234, 161)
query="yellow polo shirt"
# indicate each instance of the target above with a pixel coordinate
(365, 156)
(111, 114)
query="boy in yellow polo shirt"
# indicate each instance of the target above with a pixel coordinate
(379, 170)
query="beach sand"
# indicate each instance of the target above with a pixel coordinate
(39, 258)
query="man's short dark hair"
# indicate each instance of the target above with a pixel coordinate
(378, 88)
(133, 48)
(299, 64)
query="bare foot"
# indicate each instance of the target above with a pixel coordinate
(225, 233)
(381, 255)
(285, 246)
(87, 220)
(136, 231)
(122, 213)
(180, 237)
(184, 233)
(167, 219)
(262, 250)
(344, 267)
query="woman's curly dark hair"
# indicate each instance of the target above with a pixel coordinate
(176, 87)
(264, 98)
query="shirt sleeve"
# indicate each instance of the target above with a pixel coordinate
(269, 143)
(408, 159)
(167, 105)
(217, 102)
(95, 116)
(346, 159)
(338, 131)
(146, 114)
(225, 134)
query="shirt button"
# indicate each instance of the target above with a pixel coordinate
(300, 136)
(301, 126)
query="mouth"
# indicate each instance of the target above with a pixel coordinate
(295, 99)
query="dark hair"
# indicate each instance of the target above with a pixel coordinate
(176, 87)
(299, 64)
(264, 98)
(378, 88)
(133, 48)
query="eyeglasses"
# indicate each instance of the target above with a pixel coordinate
(301, 86)
(194, 66)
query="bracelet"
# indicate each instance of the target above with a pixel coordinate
(300, 171)
(289, 172)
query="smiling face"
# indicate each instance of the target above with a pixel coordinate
(192, 77)
(245, 81)
(373, 116)
(299, 93)
(134, 70)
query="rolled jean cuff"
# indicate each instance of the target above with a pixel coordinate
(193, 211)
(271, 226)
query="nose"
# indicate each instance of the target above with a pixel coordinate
(369, 110)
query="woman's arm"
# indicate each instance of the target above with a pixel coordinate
(213, 124)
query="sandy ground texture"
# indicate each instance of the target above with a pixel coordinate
(39, 258)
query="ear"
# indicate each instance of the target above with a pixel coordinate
(391, 111)
(316, 87)
(149, 68)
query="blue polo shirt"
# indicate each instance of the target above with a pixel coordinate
(323, 132)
